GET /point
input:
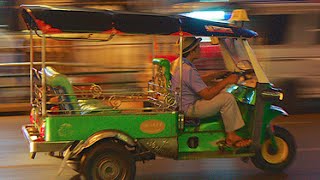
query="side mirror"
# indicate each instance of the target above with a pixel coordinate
(214, 40)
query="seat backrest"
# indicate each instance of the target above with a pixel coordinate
(164, 64)
(61, 84)
(162, 80)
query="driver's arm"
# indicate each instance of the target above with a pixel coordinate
(207, 78)
(210, 92)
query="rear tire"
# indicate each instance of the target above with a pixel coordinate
(276, 161)
(109, 160)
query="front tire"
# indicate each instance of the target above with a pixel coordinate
(109, 160)
(268, 159)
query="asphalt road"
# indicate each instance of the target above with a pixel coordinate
(16, 164)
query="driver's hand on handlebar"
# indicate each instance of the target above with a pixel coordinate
(232, 79)
(221, 74)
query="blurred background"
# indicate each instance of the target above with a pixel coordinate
(288, 48)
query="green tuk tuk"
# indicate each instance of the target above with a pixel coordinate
(97, 138)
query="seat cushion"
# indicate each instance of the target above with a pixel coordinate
(89, 106)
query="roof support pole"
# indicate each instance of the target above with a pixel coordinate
(180, 65)
(153, 56)
(43, 76)
(31, 66)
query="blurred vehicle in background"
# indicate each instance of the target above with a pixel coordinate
(288, 50)
(12, 74)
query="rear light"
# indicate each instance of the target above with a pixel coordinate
(40, 137)
(42, 130)
(46, 28)
(32, 116)
(181, 33)
(112, 31)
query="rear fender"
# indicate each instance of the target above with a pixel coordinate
(105, 135)
(109, 134)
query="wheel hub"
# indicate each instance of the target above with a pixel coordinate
(275, 155)
(108, 169)
(272, 150)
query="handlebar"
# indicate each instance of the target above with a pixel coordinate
(242, 73)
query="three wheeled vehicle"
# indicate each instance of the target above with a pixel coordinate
(97, 138)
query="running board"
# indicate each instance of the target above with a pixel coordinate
(210, 154)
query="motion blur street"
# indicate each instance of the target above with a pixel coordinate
(16, 164)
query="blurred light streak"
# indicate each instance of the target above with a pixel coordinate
(206, 15)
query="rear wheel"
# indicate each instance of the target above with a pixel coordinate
(270, 159)
(111, 161)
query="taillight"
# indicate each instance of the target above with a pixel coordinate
(32, 116)
(42, 130)
(46, 28)
(112, 31)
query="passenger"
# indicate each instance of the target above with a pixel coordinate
(201, 101)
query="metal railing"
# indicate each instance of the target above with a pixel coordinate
(15, 65)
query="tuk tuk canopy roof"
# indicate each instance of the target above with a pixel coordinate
(55, 20)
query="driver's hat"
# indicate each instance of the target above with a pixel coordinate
(189, 43)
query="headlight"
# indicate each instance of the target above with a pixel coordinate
(281, 96)
(272, 95)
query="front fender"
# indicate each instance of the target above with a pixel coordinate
(279, 110)
(270, 113)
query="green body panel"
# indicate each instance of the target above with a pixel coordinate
(270, 113)
(246, 99)
(207, 132)
(207, 141)
(211, 130)
(243, 94)
(205, 126)
(264, 113)
(62, 128)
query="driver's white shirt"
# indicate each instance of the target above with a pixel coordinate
(192, 83)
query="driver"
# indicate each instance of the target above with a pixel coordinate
(201, 101)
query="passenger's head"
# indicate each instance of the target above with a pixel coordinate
(191, 47)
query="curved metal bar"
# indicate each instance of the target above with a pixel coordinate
(31, 67)
(108, 134)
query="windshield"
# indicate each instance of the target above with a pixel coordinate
(235, 49)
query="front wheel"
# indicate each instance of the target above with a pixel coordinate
(109, 161)
(268, 158)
